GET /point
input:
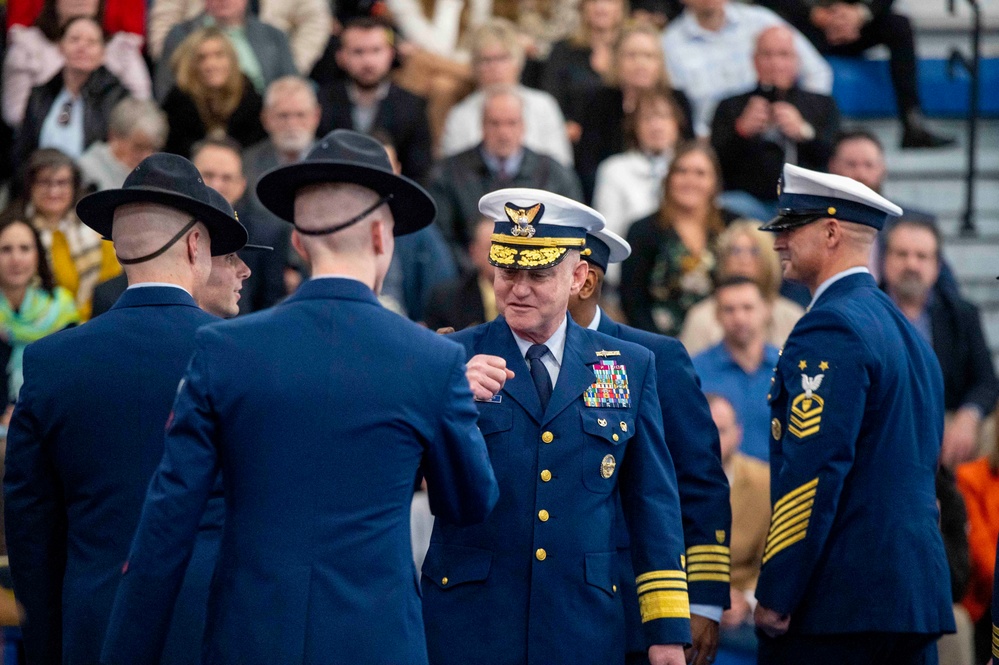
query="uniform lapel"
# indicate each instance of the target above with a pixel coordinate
(499, 342)
(575, 375)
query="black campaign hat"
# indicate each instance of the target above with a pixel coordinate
(345, 156)
(173, 181)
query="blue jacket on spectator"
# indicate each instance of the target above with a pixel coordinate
(84, 440)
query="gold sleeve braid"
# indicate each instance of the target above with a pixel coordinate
(709, 563)
(789, 523)
(662, 594)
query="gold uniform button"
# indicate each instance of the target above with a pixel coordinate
(614, 588)
(546, 475)
(547, 437)
(444, 581)
(543, 515)
(615, 436)
(541, 554)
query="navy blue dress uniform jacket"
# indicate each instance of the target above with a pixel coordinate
(539, 581)
(692, 440)
(84, 440)
(857, 406)
(318, 412)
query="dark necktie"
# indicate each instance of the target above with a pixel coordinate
(539, 373)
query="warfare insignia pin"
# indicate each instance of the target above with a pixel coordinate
(775, 429)
(523, 219)
(610, 388)
(608, 354)
(607, 466)
(602, 422)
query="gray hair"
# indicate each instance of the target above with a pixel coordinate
(138, 115)
(287, 86)
(501, 90)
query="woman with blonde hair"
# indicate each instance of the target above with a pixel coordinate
(211, 96)
(743, 251)
(638, 66)
(672, 262)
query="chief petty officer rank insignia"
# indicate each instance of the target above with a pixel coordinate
(806, 409)
(610, 388)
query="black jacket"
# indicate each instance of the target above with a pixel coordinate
(186, 127)
(959, 344)
(100, 94)
(799, 13)
(402, 115)
(754, 165)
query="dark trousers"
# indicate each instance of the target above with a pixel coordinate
(849, 648)
(895, 32)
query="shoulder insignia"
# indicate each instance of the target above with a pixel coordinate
(806, 409)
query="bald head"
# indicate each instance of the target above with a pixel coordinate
(502, 122)
(141, 229)
(776, 58)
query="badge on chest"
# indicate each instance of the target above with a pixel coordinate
(610, 389)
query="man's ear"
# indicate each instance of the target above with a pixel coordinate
(378, 243)
(579, 273)
(193, 250)
(589, 287)
(296, 242)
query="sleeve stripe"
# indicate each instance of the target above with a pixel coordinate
(777, 539)
(664, 605)
(711, 577)
(708, 558)
(665, 584)
(707, 549)
(995, 640)
(785, 541)
(708, 568)
(661, 575)
(791, 525)
(805, 499)
(793, 494)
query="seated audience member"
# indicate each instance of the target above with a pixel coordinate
(576, 67)
(221, 167)
(743, 251)
(78, 257)
(858, 154)
(709, 54)
(136, 129)
(211, 97)
(70, 112)
(978, 482)
(434, 58)
(757, 132)
(749, 492)
(290, 118)
(263, 50)
(629, 184)
(500, 160)
(850, 27)
(637, 68)
(368, 100)
(739, 367)
(33, 55)
(953, 328)
(498, 59)
(31, 305)
(307, 23)
(421, 260)
(467, 300)
(673, 249)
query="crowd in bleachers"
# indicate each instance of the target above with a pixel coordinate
(673, 120)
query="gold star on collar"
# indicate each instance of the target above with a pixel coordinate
(802, 365)
(823, 366)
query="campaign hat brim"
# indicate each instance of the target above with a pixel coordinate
(412, 207)
(97, 211)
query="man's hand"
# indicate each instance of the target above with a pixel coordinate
(666, 654)
(789, 121)
(738, 613)
(704, 635)
(754, 119)
(770, 622)
(960, 439)
(486, 375)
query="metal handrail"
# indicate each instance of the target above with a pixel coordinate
(971, 66)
